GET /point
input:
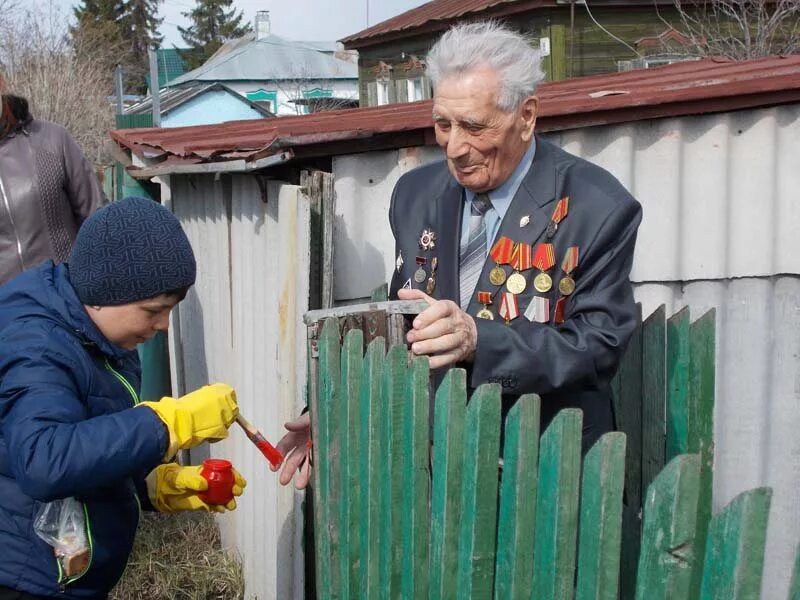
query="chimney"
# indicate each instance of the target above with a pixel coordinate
(262, 24)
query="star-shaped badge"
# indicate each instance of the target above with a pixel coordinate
(427, 239)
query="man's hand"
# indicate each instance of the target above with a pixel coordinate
(443, 332)
(296, 447)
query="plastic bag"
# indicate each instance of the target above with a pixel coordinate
(62, 524)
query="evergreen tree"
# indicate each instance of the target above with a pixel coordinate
(128, 26)
(212, 25)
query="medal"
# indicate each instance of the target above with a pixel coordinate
(485, 298)
(501, 254)
(509, 307)
(567, 284)
(432, 279)
(538, 310)
(419, 274)
(398, 264)
(558, 317)
(524, 221)
(543, 283)
(543, 260)
(520, 261)
(559, 214)
(427, 240)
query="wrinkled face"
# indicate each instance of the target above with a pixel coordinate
(483, 144)
(127, 325)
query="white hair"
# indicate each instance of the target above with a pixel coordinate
(488, 44)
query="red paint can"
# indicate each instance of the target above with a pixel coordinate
(219, 474)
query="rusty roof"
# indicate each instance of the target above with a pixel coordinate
(440, 14)
(694, 87)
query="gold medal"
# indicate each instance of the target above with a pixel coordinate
(497, 276)
(566, 286)
(485, 313)
(485, 298)
(543, 283)
(516, 283)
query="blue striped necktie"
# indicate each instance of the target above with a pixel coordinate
(473, 254)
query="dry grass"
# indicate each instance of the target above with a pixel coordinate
(179, 557)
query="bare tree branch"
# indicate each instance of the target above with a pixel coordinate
(739, 29)
(67, 82)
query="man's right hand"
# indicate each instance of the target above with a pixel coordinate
(201, 416)
(296, 447)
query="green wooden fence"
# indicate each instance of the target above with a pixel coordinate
(397, 517)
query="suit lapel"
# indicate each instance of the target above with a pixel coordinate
(449, 208)
(533, 199)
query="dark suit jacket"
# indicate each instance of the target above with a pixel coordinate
(568, 364)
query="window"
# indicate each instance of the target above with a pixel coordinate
(265, 98)
(383, 92)
(416, 90)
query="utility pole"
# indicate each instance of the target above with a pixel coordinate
(154, 88)
(118, 88)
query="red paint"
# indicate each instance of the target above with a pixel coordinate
(219, 474)
(273, 455)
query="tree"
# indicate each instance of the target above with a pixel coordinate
(739, 29)
(64, 83)
(129, 25)
(212, 25)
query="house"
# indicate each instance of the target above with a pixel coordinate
(277, 73)
(575, 39)
(200, 104)
(709, 148)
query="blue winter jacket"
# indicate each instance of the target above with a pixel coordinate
(68, 428)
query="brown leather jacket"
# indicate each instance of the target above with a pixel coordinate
(47, 189)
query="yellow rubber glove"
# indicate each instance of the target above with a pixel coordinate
(173, 488)
(202, 416)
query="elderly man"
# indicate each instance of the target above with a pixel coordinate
(522, 250)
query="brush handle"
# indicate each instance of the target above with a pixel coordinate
(254, 435)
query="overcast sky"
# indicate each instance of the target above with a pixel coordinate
(317, 20)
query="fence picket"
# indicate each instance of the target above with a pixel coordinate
(352, 366)
(393, 450)
(670, 518)
(734, 560)
(794, 589)
(370, 422)
(518, 488)
(653, 395)
(415, 508)
(326, 446)
(701, 426)
(677, 384)
(601, 519)
(478, 533)
(627, 387)
(448, 457)
(557, 507)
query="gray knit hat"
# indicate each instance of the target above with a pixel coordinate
(130, 250)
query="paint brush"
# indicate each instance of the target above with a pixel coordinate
(254, 435)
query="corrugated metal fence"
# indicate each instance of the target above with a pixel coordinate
(242, 324)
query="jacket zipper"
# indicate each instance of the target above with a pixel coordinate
(135, 398)
(63, 584)
(124, 382)
(13, 225)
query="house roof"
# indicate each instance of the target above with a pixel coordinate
(440, 14)
(270, 58)
(172, 98)
(694, 87)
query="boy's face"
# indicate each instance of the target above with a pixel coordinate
(127, 325)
